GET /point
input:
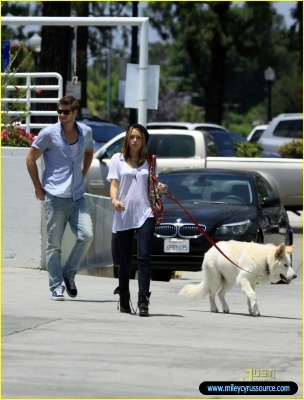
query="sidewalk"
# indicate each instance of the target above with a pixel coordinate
(84, 348)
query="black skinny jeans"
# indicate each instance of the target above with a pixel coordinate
(144, 244)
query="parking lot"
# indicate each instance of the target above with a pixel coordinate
(84, 348)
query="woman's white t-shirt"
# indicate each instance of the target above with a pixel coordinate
(132, 192)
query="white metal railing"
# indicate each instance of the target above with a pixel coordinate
(29, 100)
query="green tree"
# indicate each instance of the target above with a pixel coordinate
(227, 47)
(208, 31)
(55, 50)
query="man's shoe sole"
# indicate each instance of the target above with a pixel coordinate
(58, 298)
(70, 294)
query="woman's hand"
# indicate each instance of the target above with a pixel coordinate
(162, 187)
(118, 205)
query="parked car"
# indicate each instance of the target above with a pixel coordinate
(102, 132)
(225, 141)
(225, 144)
(206, 126)
(178, 148)
(227, 204)
(256, 133)
(282, 129)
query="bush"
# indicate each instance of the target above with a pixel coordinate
(15, 136)
(293, 149)
(11, 133)
(247, 149)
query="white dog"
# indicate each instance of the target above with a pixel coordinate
(273, 263)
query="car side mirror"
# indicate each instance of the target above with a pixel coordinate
(102, 154)
(270, 202)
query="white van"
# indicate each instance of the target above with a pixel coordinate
(281, 130)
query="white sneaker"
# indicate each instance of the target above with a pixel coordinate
(58, 293)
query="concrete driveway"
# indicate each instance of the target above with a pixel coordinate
(84, 348)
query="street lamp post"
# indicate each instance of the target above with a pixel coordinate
(269, 75)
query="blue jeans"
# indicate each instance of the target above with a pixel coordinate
(144, 244)
(59, 211)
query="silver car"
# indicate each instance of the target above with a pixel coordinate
(282, 129)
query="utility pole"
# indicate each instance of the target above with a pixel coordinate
(134, 57)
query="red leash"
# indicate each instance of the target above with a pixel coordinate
(170, 196)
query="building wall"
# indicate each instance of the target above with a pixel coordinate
(21, 212)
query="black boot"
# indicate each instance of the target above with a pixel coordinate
(124, 301)
(143, 303)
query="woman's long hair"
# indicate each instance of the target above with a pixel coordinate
(125, 150)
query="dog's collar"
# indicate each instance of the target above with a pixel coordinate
(267, 270)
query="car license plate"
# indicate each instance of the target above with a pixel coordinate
(176, 246)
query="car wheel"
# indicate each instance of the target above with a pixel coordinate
(161, 275)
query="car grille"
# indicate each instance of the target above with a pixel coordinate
(166, 230)
(186, 231)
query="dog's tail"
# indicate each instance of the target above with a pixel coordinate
(195, 291)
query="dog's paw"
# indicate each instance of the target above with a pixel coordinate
(226, 311)
(214, 309)
(255, 314)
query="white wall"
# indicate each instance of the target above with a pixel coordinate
(23, 219)
(21, 212)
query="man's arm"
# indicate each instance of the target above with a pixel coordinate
(31, 159)
(87, 161)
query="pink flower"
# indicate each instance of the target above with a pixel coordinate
(4, 135)
(19, 128)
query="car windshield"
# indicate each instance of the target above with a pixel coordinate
(195, 187)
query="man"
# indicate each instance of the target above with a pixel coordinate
(67, 149)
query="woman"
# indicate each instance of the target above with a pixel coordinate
(129, 175)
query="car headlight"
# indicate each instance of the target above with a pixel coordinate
(237, 228)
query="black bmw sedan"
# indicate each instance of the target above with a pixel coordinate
(226, 204)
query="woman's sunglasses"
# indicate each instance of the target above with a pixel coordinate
(64, 112)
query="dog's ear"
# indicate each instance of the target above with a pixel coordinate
(289, 249)
(280, 251)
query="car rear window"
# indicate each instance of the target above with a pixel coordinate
(256, 135)
(175, 146)
(289, 129)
